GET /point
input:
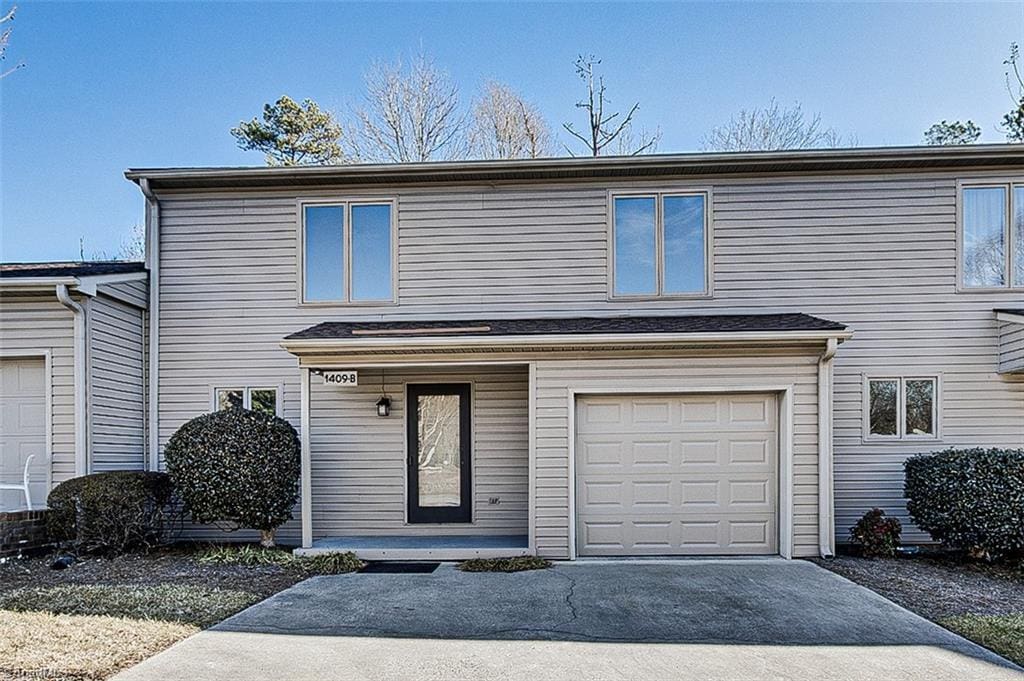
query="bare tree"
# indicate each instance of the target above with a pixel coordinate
(5, 39)
(604, 129)
(409, 115)
(132, 247)
(504, 125)
(1013, 122)
(771, 128)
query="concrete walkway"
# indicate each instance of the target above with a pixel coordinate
(681, 620)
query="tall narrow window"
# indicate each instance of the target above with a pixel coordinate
(325, 252)
(992, 236)
(660, 245)
(348, 253)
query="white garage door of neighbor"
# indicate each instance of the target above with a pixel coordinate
(22, 429)
(676, 475)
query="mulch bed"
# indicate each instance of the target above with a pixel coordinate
(176, 565)
(938, 585)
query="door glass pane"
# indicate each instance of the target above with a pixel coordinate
(684, 244)
(439, 464)
(325, 253)
(920, 399)
(882, 400)
(371, 252)
(635, 271)
(1018, 236)
(264, 399)
(984, 247)
(229, 399)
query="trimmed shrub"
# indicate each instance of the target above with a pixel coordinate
(514, 564)
(112, 512)
(969, 499)
(238, 467)
(876, 535)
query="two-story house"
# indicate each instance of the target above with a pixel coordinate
(657, 355)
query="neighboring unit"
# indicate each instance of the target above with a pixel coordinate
(661, 355)
(72, 369)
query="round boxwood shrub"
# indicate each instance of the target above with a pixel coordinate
(238, 467)
(876, 535)
(969, 499)
(111, 512)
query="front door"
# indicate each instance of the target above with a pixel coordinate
(439, 442)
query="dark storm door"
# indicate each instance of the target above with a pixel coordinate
(439, 437)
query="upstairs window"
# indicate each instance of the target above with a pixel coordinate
(902, 408)
(992, 236)
(659, 245)
(348, 252)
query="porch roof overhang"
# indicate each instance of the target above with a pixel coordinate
(503, 335)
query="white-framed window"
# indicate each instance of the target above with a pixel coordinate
(259, 398)
(348, 252)
(991, 235)
(901, 407)
(660, 245)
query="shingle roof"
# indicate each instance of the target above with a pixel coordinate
(647, 165)
(69, 269)
(570, 325)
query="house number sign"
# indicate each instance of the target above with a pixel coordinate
(341, 379)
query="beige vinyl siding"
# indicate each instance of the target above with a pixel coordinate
(39, 322)
(116, 388)
(875, 252)
(359, 460)
(681, 371)
(1011, 347)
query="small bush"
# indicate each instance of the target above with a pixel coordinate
(330, 563)
(248, 554)
(237, 466)
(516, 564)
(970, 499)
(244, 554)
(112, 512)
(876, 535)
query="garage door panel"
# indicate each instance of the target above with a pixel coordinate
(22, 428)
(705, 483)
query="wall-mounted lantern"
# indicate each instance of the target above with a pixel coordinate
(384, 406)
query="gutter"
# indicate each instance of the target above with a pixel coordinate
(299, 345)
(81, 388)
(826, 492)
(152, 370)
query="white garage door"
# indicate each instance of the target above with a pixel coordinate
(22, 429)
(675, 475)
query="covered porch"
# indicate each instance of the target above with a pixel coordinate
(505, 477)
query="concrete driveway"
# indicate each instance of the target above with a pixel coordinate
(609, 620)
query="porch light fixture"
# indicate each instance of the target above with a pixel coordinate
(384, 403)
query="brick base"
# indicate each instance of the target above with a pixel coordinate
(22, 531)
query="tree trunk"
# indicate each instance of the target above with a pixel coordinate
(267, 538)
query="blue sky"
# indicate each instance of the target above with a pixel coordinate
(109, 86)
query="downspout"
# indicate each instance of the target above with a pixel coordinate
(153, 265)
(79, 351)
(826, 491)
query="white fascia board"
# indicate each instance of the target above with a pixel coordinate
(36, 283)
(301, 346)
